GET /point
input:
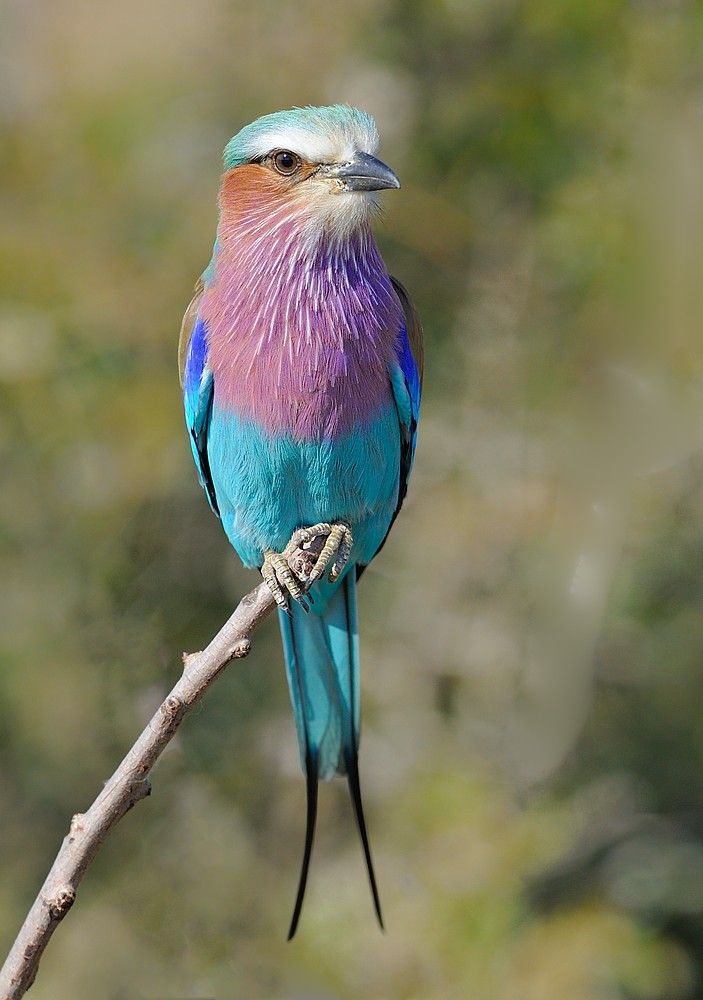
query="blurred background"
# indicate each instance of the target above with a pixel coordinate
(532, 633)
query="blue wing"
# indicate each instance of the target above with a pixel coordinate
(406, 379)
(197, 384)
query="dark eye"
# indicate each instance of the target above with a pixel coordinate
(286, 162)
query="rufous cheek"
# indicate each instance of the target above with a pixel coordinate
(254, 184)
(250, 185)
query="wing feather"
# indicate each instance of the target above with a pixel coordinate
(189, 318)
(406, 377)
(411, 361)
(413, 326)
(197, 384)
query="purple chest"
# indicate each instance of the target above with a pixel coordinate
(301, 335)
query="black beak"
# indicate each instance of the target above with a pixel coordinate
(363, 173)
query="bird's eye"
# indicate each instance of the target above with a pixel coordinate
(286, 162)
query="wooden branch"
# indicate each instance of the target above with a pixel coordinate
(129, 784)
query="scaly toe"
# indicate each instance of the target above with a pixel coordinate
(273, 585)
(338, 548)
(281, 580)
(343, 553)
(304, 536)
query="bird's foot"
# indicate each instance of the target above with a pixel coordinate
(281, 580)
(305, 560)
(317, 558)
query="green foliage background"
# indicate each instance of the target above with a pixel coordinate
(533, 633)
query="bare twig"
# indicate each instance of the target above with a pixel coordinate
(125, 788)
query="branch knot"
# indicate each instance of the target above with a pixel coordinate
(76, 826)
(62, 902)
(241, 648)
(173, 709)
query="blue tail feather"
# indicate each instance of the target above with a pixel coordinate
(311, 790)
(319, 705)
(322, 664)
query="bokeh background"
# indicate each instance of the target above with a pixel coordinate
(533, 632)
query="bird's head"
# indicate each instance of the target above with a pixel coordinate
(313, 164)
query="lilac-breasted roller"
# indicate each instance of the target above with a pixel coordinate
(301, 364)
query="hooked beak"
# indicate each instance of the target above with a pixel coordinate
(363, 173)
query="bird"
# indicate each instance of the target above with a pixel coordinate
(301, 363)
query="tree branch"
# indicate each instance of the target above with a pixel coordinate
(125, 788)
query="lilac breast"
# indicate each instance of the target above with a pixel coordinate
(301, 333)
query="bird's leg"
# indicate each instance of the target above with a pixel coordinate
(336, 549)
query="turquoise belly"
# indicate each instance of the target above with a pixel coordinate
(267, 486)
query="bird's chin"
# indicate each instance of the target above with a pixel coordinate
(338, 212)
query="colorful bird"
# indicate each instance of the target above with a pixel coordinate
(301, 365)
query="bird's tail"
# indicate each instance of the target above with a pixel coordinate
(322, 663)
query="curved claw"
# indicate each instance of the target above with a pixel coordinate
(336, 550)
(281, 580)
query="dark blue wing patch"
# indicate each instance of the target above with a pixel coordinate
(407, 387)
(409, 368)
(406, 382)
(196, 358)
(197, 401)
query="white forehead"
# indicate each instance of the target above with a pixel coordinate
(316, 147)
(319, 135)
